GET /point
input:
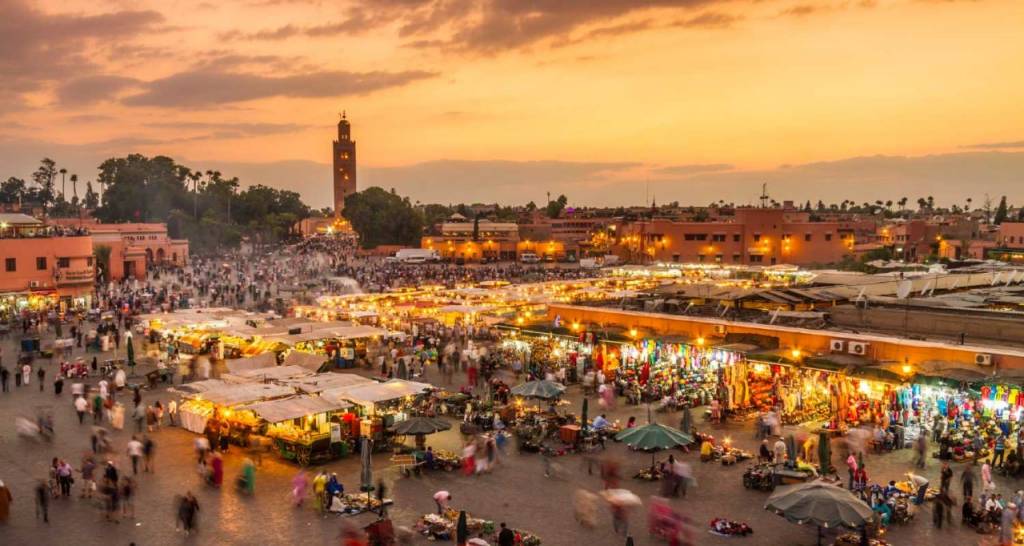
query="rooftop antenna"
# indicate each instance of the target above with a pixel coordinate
(764, 195)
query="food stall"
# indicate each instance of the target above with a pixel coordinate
(219, 403)
(305, 429)
(380, 405)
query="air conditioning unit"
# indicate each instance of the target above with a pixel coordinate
(983, 359)
(720, 329)
(34, 284)
(837, 345)
(859, 348)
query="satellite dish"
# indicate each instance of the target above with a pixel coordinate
(904, 288)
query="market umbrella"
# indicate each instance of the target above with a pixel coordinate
(824, 453)
(821, 504)
(583, 419)
(131, 354)
(539, 389)
(653, 437)
(366, 476)
(421, 426)
(461, 530)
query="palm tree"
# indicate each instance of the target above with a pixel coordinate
(63, 185)
(888, 205)
(74, 184)
(903, 203)
(968, 207)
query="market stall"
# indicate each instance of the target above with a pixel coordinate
(305, 429)
(218, 403)
(380, 405)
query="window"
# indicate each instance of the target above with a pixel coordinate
(735, 238)
(695, 236)
(718, 258)
(756, 258)
(675, 258)
(785, 237)
(757, 237)
(718, 237)
(63, 262)
(828, 236)
(807, 237)
(41, 264)
(11, 264)
(773, 260)
(736, 258)
(700, 258)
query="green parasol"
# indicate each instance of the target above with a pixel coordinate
(654, 436)
(420, 427)
(821, 504)
(131, 353)
(824, 453)
(539, 389)
(461, 530)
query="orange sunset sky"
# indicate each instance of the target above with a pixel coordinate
(503, 100)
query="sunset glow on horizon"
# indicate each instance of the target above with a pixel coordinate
(673, 95)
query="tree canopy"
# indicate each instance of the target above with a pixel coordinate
(204, 207)
(383, 218)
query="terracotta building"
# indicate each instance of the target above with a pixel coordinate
(43, 265)
(754, 236)
(1009, 245)
(134, 247)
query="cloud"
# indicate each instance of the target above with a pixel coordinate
(996, 145)
(225, 130)
(212, 87)
(92, 89)
(709, 19)
(685, 170)
(358, 22)
(490, 26)
(40, 47)
(801, 10)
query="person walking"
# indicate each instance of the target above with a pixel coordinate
(5, 503)
(88, 471)
(299, 485)
(945, 478)
(4, 377)
(127, 494)
(81, 406)
(41, 374)
(135, 451)
(42, 501)
(987, 485)
(148, 452)
(188, 507)
(851, 464)
(64, 478)
(1000, 450)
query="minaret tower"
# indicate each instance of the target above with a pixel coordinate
(344, 165)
